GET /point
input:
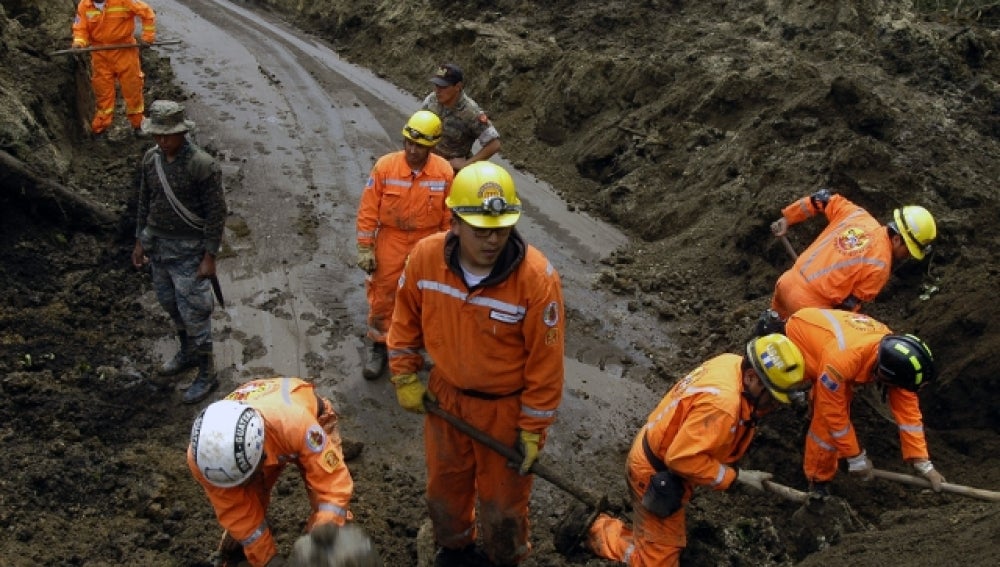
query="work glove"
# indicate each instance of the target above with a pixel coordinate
(927, 470)
(860, 467)
(779, 227)
(366, 258)
(410, 392)
(527, 445)
(753, 478)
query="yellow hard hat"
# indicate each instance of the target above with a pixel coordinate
(483, 195)
(916, 226)
(779, 364)
(423, 128)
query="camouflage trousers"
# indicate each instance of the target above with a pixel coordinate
(186, 299)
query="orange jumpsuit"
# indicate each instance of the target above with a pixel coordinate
(498, 364)
(700, 427)
(840, 350)
(115, 24)
(299, 428)
(851, 258)
(397, 209)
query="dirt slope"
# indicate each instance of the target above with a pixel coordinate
(690, 124)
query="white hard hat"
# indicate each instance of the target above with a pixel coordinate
(227, 441)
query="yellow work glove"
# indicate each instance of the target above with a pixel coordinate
(410, 392)
(527, 445)
(366, 258)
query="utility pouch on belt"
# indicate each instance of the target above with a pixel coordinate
(664, 494)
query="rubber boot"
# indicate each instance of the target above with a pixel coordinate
(181, 361)
(205, 382)
(466, 557)
(375, 361)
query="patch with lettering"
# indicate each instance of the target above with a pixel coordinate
(315, 438)
(505, 317)
(550, 316)
(852, 241)
(829, 383)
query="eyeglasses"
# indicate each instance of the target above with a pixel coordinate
(415, 134)
(485, 233)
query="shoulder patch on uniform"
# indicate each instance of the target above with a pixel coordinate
(253, 390)
(551, 336)
(315, 438)
(550, 316)
(852, 241)
(331, 461)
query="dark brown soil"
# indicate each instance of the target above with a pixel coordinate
(688, 124)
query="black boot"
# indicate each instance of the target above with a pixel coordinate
(376, 357)
(571, 532)
(205, 382)
(181, 361)
(465, 557)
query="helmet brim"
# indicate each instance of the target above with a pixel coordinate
(490, 221)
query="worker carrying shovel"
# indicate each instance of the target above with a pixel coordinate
(844, 351)
(488, 307)
(699, 429)
(112, 22)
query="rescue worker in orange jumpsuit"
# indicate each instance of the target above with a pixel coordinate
(844, 351)
(851, 260)
(241, 444)
(403, 201)
(703, 425)
(108, 23)
(488, 308)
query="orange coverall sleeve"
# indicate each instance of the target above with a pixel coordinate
(803, 209)
(905, 406)
(831, 405)
(692, 452)
(148, 19)
(240, 512)
(327, 477)
(368, 208)
(544, 333)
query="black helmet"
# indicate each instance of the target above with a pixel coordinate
(905, 361)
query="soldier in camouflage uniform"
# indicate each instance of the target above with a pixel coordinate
(464, 122)
(181, 217)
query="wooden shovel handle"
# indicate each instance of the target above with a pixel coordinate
(979, 493)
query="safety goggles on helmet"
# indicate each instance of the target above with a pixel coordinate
(905, 361)
(415, 135)
(779, 364)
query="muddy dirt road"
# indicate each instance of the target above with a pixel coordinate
(299, 129)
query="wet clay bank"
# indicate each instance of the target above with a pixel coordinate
(687, 124)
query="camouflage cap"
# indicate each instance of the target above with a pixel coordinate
(166, 117)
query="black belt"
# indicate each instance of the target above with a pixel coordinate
(486, 396)
(657, 464)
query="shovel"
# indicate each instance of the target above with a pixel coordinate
(988, 495)
(590, 498)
